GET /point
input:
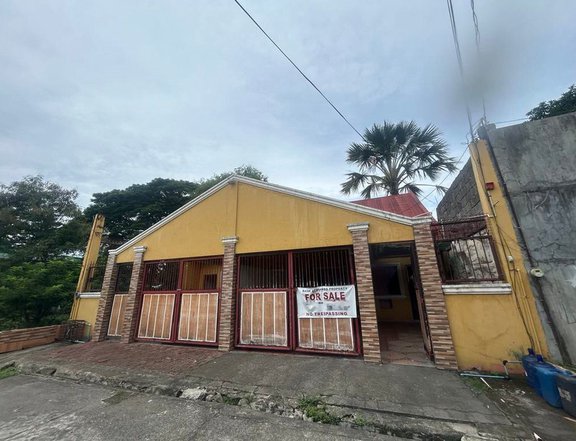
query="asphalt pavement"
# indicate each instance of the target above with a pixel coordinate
(42, 408)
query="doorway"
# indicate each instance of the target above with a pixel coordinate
(402, 325)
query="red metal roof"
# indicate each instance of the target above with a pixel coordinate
(406, 204)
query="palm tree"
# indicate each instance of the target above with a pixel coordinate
(393, 156)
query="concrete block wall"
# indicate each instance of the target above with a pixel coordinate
(462, 199)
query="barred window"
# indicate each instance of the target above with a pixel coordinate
(264, 271)
(161, 276)
(123, 277)
(465, 251)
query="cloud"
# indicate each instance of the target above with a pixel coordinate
(105, 94)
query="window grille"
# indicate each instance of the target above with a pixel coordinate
(265, 271)
(95, 278)
(202, 274)
(465, 251)
(322, 268)
(123, 278)
(161, 276)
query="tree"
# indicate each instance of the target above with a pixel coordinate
(565, 104)
(244, 170)
(393, 156)
(40, 224)
(37, 293)
(132, 210)
(39, 220)
(135, 208)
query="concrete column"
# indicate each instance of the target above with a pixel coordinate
(440, 334)
(228, 296)
(133, 297)
(366, 300)
(106, 299)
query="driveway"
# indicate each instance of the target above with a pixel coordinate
(34, 407)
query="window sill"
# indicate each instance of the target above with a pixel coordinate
(478, 288)
(88, 295)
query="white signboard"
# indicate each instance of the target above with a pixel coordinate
(327, 302)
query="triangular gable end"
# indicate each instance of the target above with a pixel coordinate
(276, 188)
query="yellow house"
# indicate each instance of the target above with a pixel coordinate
(253, 265)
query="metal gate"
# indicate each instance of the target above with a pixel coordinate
(267, 313)
(180, 301)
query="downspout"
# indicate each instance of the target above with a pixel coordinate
(558, 340)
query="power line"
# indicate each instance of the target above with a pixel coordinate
(477, 39)
(299, 70)
(459, 58)
(461, 69)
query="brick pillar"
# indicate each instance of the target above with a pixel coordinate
(442, 344)
(133, 297)
(366, 301)
(106, 299)
(228, 297)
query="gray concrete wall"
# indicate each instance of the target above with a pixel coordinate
(462, 199)
(537, 163)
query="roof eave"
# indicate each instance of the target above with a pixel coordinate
(405, 220)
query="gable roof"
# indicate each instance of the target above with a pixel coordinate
(381, 214)
(405, 204)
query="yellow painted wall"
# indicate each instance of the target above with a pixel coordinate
(264, 220)
(486, 329)
(490, 328)
(269, 221)
(197, 232)
(401, 310)
(401, 306)
(86, 310)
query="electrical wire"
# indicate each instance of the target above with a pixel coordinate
(513, 278)
(459, 58)
(461, 69)
(299, 70)
(478, 52)
(513, 272)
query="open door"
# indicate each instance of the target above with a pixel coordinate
(402, 319)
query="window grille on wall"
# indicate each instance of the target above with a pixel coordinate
(161, 276)
(465, 251)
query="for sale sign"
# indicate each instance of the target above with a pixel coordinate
(327, 302)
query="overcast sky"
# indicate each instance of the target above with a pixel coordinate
(104, 94)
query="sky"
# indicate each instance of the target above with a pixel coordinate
(101, 95)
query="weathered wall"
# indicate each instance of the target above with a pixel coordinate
(462, 198)
(486, 329)
(537, 162)
(263, 220)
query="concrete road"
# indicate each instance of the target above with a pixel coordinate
(46, 408)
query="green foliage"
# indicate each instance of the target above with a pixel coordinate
(393, 156)
(39, 220)
(315, 409)
(9, 371)
(227, 399)
(135, 208)
(361, 421)
(132, 210)
(37, 293)
(565, 104)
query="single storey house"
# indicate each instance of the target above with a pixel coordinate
(250, 265)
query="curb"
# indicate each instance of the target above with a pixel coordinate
(390, 423)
